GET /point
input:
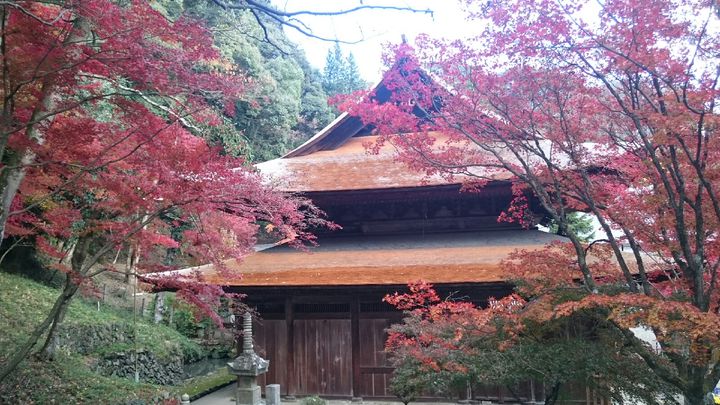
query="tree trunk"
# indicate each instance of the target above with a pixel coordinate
(48, 350)
(130, 263)
(24, 350)
(69, 251)
(43, 112)
(8, 188)
(72, 283)
(551, 396)
(695, 392)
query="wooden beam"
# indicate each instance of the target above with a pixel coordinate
(392, 316)
(377, 370)
(355, 338)
(322, 315)
(289, 321)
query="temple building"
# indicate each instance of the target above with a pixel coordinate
(322, 319)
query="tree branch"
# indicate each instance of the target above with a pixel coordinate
(289, 18)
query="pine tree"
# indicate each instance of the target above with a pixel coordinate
(353, 78)
(333, 75)
(341, 74)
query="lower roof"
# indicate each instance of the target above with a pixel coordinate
(438, 258)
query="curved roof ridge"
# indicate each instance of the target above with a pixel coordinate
(303, 149)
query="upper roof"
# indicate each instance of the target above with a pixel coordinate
(351, 167)
(336, 159)
(330, 137)
(445, 258)
(344, 126)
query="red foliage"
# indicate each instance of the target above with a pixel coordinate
(434, 330)
(104, 104)
(608, 108)
(421, 296)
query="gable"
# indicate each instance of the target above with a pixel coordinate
(347, 126)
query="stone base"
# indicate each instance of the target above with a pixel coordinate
(247, 396)
(356, 399)
(272, 394)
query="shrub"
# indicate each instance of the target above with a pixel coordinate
(313, 400)
(408, 383)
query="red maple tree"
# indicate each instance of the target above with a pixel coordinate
(607, 108)
(101, 145)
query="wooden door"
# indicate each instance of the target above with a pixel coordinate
(374, 369)
(323, 357)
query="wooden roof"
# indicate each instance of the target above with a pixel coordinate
(450, 258)
(350, 167)
(344, 127)
(330, 137)
(335, 159)
(337, 162)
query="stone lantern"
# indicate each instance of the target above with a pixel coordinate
(247, 366)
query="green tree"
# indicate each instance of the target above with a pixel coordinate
(315, 112)
(341, 74)
(284, 103)
(353, 77)
(443, 345)
(579, 223)
(288, 104)
(334, 72)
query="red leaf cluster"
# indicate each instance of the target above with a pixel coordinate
(608, 108)
(102, 138)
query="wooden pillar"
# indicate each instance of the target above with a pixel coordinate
(290, 372)
(355, 338)
(532, 390)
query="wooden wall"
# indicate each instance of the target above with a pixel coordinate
(309, 342)
(270, 340)
(321, 351)
(323, 356)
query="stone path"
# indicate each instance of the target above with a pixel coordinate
(225, 396)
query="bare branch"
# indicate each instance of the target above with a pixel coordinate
(290, 18)
(252, 4)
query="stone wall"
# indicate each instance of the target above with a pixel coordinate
(98, 341)
(85, 339)
(150, 369)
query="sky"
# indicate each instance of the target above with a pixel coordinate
(374, 28)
